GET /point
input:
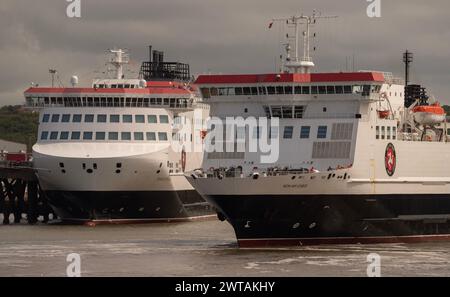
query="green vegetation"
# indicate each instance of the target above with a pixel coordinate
(447, 109)
(18, 125)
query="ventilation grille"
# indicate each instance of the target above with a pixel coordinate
(331, 150)
(342, 131)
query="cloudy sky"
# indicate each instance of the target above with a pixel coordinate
(217, 36)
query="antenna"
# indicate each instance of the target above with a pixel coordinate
(303, 64)
(53, 73)
(407, 59)
(119, 58)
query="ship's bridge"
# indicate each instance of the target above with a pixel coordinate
(113, 94)
(355, 85)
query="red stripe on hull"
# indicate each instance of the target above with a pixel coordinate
(262, 243)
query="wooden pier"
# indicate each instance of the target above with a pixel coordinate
(20, 194)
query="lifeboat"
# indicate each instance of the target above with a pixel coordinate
(429, 114)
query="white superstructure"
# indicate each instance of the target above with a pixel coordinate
(116, 150)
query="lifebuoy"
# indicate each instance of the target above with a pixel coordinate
(183, 160)
(203, 134)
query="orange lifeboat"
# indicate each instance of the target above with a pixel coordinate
(429, 114)
(383, 114)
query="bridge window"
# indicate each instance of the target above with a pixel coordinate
(297, 89)
(322, 90)
(279, 90)
(162, 136)
(100, 135)
(287, 112)
(75, 135)
(314, 90)
(140, 118)
(114, 118)
(247, 91)
(44, 135)
(298, 111)
(55, 118)
(138, 136)
(304, 132)
(64, 135)
(271, 90)
(45, 118)
(330, 90)
(214, 92)
(89, 118)
(339, 90)
(101, 118)
(288, 90)
(394, 133)
(383, 132)
(113, 135)
(347, 89)
(53, 135)
(305, 90)
(238, 91)
(151, 136)
(288, 131)
(276, 111)
(164, 119)
(127, 118)
(262, 91)
(65, 118)
(377, 132)
(388, 133)
(87, 135)
(322, 132)
(76, 118)
(125, 136)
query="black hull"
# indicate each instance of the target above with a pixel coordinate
(266, 220)
(127, 207)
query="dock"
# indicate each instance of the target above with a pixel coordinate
(20, 194)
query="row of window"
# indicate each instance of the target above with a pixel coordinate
(285, 111)
(364, 90)
(87, 135)
(382, 132)
(108, 102)
(102, 118)
(288, 132)
(116, 86)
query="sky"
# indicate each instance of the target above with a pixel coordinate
(218, 36)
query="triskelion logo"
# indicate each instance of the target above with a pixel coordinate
(390, 159)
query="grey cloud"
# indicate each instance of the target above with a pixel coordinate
(217, 36)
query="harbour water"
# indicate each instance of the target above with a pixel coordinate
(204, 248)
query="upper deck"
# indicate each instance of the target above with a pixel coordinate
(355, 85)
(162, 94)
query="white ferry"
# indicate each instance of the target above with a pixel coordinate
(107, 153)
(359, 160)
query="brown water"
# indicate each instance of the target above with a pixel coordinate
(204, 248)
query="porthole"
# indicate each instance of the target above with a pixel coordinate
(89, 171)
